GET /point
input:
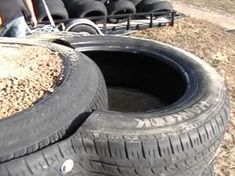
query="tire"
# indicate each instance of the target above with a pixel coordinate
(84, 29)
(50, 161)
(56, 8)
(135, 2)
(83, 25)
(160, 6)
(165, 140)
(147, 2)
(51, 119)
(119, 7)
(103, 1)
(85, 9)
(209, 171)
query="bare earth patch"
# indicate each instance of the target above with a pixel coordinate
(222, 19)
(26, 74)
(227, 6)
(217, 47)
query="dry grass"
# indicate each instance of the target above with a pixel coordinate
(227, 6)
(217, 47)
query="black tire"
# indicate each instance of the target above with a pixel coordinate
(147, 2)
(161, 6)
(58, 115)
(49, 162)
(209, 171)
(56, 8)
(119, 7)
(103, 1)
(86, 9)
(168, 140)
(135, 2)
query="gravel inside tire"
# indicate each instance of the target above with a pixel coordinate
(27, 73)
(169, 139)
(59, 114)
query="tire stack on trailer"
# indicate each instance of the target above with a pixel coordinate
(101, 8)
(153, 6)
(85, 8)
(75, 132)
(56, 7)
(119, 7)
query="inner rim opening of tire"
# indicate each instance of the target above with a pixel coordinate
(139, 82)
(94, 14)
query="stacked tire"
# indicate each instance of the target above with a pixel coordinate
(174, 133)
(153, 6)
(98, 10)
(119, 7)
(56, 8)
(178, 138)
(85, 8)
(53, 118)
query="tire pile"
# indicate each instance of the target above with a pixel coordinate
(76, 132)
(99, 9)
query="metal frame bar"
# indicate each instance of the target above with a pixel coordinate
(128, 17)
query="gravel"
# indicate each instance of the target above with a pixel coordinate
(26, 74)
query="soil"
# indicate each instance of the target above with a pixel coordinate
(217, 47)
(26, 74)
(221, 6)
(224, 20)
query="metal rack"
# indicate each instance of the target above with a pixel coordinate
(131, 22)
(136, 21)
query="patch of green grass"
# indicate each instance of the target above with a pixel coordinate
(227, 6)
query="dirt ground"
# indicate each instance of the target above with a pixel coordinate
(217, 47)
(222, 6)
(26, 74)
(224, 20)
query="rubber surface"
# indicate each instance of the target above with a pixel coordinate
(148, 2)
(209, 171)
(56, 8)
(135, 2)
(117, 7)
(103, 1)
(101, 148)
(87, 8)
(157, 6)
(83, 25)
(59, 114)
(84, 28)
(169, 140)
(49, 162)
